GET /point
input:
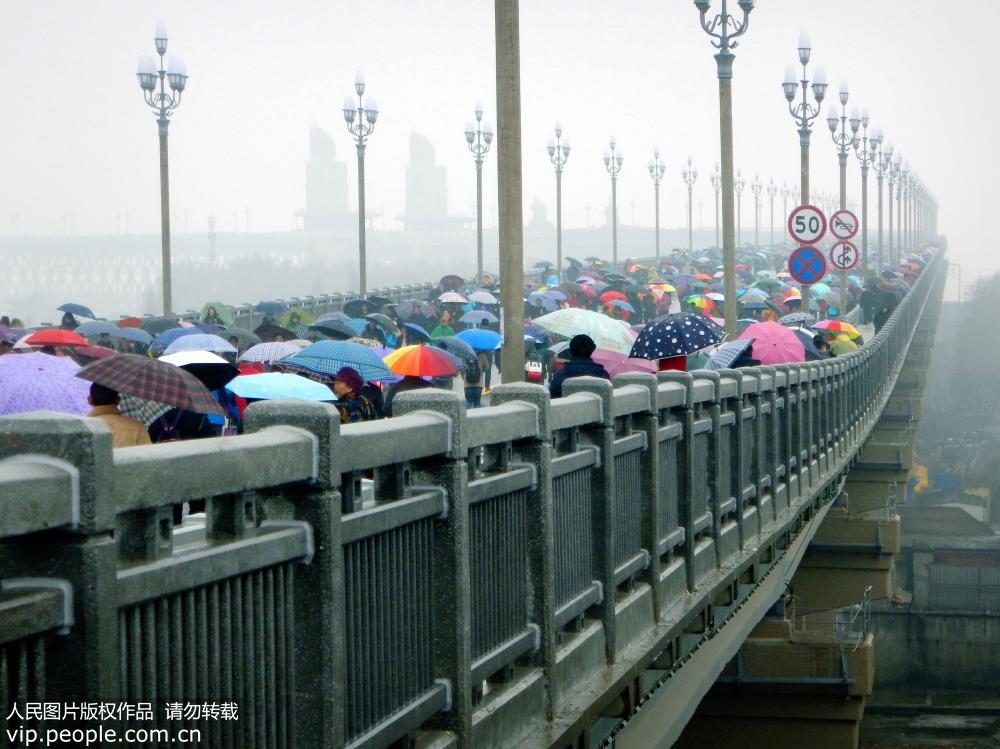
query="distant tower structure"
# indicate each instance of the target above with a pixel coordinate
(426, 187)
(326, 185)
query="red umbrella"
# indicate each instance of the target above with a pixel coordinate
(129, 322)
(774, 343)
(56, 337)
(95, 352)
(610, 296)
(422, 361)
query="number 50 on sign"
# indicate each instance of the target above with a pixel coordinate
(807, 224)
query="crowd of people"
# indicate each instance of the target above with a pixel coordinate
(160, 379)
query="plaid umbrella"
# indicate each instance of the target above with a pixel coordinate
(727, 353)
(142, 410)
(327, 357)
(151, 379)
(269, 352)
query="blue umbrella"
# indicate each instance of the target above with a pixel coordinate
(478, 317)
(279, 385)
(357, 324)
(334, 317)
(327, 357)
(418, 329)
(480, 339)
(200, 342)
(167, 337)
(136, 334)
(93, 328)
(270, 308)
(620, 304)
(76, 309)
(676, 335)
(545, 302)
(727, 353)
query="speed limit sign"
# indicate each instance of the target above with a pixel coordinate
(844, 255)
(807, 224)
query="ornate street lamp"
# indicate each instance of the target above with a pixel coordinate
(558, 154)
(360, 121)
(689, 174)
(865, 148)
(479, 136)
(772, 192)
(155, 82)
(657, 168)
(613, 163)
(881, 166)
(756, 187)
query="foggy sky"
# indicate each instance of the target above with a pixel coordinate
(78, 139)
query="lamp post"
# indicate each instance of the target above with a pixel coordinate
(360, 121)
(716, 179)
(656, 170)
(738, 187)
(865, 149)
(558, 154)
(689, 174)
(787, 191)
(756, 187)
(723, 29)
(892, 173)
(901, 186)
(772, 192)
(613, 163)
(843, 140)
(155, 83)
(479, 137)
(881, 166)
(804, 114)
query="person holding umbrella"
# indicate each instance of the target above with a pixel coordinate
(579, 365)
(125, 431)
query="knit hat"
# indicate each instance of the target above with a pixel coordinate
(350, 377)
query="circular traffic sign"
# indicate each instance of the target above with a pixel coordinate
(843, 224)
(844, 255)
(807, 265)
(807, 224)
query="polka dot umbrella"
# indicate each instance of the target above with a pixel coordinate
(676, 335)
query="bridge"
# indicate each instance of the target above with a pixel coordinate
(614, 565)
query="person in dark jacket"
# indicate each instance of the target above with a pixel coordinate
(579, 365)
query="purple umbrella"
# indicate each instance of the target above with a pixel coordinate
(36, 382)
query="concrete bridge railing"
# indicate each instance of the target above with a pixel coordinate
(490, 578)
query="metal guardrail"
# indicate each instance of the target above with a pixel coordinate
(465, 592)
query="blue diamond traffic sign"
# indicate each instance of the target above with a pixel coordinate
(807, 265)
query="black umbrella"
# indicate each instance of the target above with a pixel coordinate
(271, 332)
(676, 335)
(383, 321)
(156, 325)
(336, 330)
(246, 338)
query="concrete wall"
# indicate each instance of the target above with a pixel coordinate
(944, 649)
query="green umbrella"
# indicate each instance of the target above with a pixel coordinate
(222, 312)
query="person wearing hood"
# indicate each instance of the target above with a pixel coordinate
(579, 365)
(352, 404)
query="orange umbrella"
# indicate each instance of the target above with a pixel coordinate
(703, 276)
(422, 361)
(56, 337)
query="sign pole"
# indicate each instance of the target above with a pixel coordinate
(843, 226)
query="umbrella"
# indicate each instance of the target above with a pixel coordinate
(422, 361)
(142, 410)
(95, 328)
(92, 352)
(756, 304)
(610, 296)
(358, 308)
(333, 317)
(774, 343)
(56, 337)
(797, 318)
(616, 363)
(479, 339)
(300, 343)
(621, 305)
(838, 326)
(128, 322)
(153, 380)
(269, 352)
(806, 336)
(418, 329)
(167, 337)
(540, 300)
(76, 309)
(451, 283)
(451, 297)
(480, 296)
(726, 354)
(819, 290)
(336, 330)
(676, 335)
(716, 297)
(455, 346)
(357, 325)
(156, 325)
(137, 335)
(605, 332)
(270, 308)
(246, 338)
(478, 317)
(754, 294)
(383, 321)
(222, 313)
(200, 342)
(211, 369)
(842, 345)
(270, 332)
(327, 357)
(208, 327)
(271, 385)
(36, 382)
(7, 335)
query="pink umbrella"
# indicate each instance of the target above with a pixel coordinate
(617, 363)
(774, 343)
